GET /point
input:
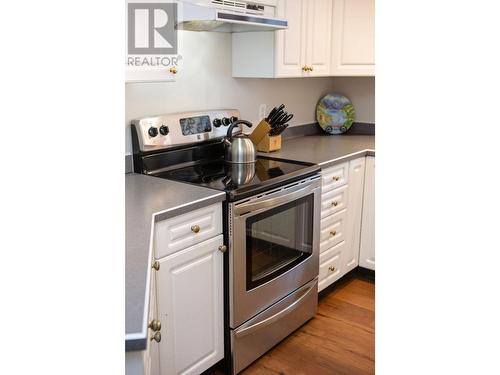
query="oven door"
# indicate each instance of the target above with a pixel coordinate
(274, 247)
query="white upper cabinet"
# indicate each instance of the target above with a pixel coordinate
(353, 49)
(146, 66)
(323, 38)
(290, 43)
(318, 46)
(302, 50)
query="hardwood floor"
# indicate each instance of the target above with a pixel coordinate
(339, 340)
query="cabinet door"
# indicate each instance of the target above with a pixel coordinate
(367, 247)
(190, 307)
(353, 52)
(290, 43)
(354, 210)
(319, 37)
(135, 70)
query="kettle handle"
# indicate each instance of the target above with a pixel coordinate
(235, 124)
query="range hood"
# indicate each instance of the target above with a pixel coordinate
(229, 16)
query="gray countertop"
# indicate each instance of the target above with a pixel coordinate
(148, 200)
(325, 150)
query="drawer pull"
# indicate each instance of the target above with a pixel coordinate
(155, 325)
(156, 265)
(222, 248)
(156, 337)
(335, 203)
(331, 268)
(195, 228)
(333, 233)
(336, 178)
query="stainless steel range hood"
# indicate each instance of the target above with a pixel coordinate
(229, 16)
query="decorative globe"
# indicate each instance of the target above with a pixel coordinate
(335, 113)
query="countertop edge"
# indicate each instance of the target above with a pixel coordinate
(138, 340)
(219, 196)
(354, 155)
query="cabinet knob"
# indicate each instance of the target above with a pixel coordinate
(155, 325)
(173, 70)
(195, 228)
(310, 68)
(156, 265)
(304, 68)
(156, 337)
(222, 248)
(331, 268)
(335, 203)
(333, 233)
(336, 178)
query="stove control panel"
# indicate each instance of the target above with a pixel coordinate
(164, 131)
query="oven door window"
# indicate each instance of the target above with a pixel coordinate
(278, 239)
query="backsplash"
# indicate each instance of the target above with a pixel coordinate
(204, 82)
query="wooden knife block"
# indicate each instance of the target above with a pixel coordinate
(262, 140)
(260, 132)
(269, 143)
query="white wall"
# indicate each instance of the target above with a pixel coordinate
(204, 82)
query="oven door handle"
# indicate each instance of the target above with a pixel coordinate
(273, 318)
(275, 201)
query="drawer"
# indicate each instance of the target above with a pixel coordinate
(332, 230)
(179, 232)
(334, 201)
(330, 265)
(334, 177)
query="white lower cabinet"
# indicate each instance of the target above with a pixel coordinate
(367, 247)
(353, 221)
(332, 230)
(190, 308)
(330, 265)
(343, 215)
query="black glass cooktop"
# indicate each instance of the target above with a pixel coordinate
(241, 180)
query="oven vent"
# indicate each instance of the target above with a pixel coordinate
(235, 5)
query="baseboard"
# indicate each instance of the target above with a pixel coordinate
(356, 272)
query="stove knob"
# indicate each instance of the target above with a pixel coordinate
(217, 122)
(164, 130)
(233, 119)
(226, 121)
(153, 132)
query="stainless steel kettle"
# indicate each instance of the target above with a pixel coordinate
(239, 148)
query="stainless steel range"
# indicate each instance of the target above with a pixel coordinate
(271, 215)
